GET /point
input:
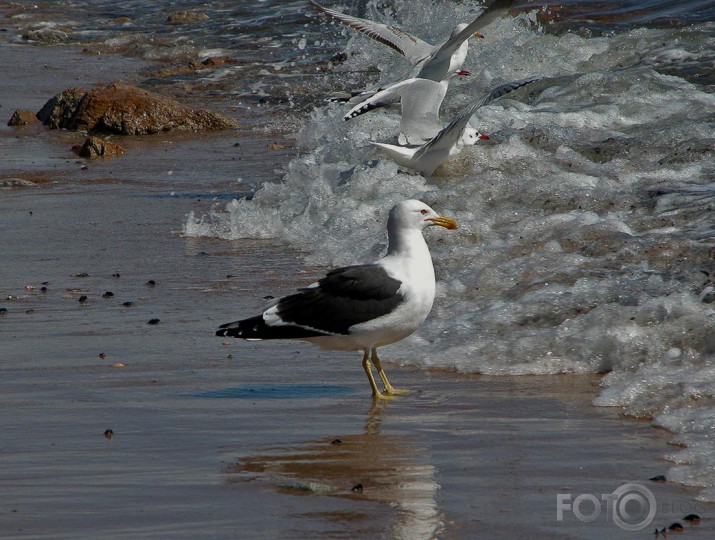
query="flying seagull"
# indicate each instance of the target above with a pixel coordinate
(420, 101)
(359, 97)
(434, 62)
(450, 140)
(360, 307)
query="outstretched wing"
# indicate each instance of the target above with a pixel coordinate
(420, 101)
(436, 67)
(382, 97)
(452, 133)
(409, 46)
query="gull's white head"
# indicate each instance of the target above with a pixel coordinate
(471, 136)
(414, 214)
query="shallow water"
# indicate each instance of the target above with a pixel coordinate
(227, 440)
(586, 229)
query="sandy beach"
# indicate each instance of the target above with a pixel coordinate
(249, 440)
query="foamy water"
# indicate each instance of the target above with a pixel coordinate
(586, 224)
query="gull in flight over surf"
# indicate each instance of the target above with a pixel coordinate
(360, 307)
(433, 62)
(361, 96)
(420, 101)
(449, 140)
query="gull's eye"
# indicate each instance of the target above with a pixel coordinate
(423, 212)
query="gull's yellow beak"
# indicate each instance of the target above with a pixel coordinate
(477, 34)
(447, 223)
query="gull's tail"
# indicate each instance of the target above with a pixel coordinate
(256, 328)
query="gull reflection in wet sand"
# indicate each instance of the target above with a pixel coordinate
(364, 468)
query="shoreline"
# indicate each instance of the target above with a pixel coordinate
(202, 429)
(220, 441)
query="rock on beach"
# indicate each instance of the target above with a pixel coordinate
(22, 117)
(45, 34)
(126, 110)
(94, 147)
(184, 17)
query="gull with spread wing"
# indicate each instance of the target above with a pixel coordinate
(420, 101)
(434, 62)
(451, 139)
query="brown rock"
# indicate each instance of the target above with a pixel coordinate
(95, 147)
(217, 61)
(278, 146)
(15, 182)
(211, 62)
(126, 110)
(45, 35)
(182, 17)
(22, 117)
(60, 112)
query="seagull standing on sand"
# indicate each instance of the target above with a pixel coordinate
(450, 140)
(360, 307)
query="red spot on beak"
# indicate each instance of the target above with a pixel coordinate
(483, 137)
(463, 72)
(478, 35)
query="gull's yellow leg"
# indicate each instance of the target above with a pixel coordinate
(376, 394)
(389, 389)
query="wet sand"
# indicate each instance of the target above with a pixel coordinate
(241, 440)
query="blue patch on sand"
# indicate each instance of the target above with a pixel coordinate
(276, 391)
